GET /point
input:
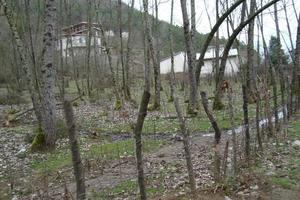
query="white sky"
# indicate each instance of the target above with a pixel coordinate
(203, 25)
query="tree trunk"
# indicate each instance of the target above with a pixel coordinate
(189, 49)
(210, 36)
(246, 123)
(279, 68)
(48, 75)
(128, 52)
(233, 138)
(266, 78)
(217, 101)
(124, 80)
(88, 53)
(76, 159)
(217, 130)
(296, 69)
(184, 129)
(143, 106)
(28, 71)
(157, 79)
(108, 53)
(250, 75)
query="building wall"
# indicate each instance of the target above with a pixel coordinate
(180, 63)
(79, 44)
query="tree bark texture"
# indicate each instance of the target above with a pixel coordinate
(48, 75)
(76, 158)
(191, 62)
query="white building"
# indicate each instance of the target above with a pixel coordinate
(180, 62)
(76, 38)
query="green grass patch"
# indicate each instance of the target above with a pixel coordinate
(294, 129)
(294, 170)
(61, 158)
(127, 187)
(284, 182)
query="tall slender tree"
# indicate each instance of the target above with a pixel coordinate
(193, 96)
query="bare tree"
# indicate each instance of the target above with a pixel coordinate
(218, 133)
(28, 71)
(296, 69)
(108, 53)
(250, 76)
(279, 66)
(76, 158)
(210, 36)
(143, 107)
(191, 62)
(129, 50)
(157, 79)
(233, 139)
(217, 100)
(182, 123)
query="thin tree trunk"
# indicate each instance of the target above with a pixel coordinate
(108, 53)
(124, 81)
(230, 41)
(191, 62)
(28, 71)
(143, 107)
(250, 75)
(184, 129)
(268, 71)
(233, 138)
(279, 68)
(210, 36)
(217, 51)
(296, 70)
(157, 78)
(157, 85)
(76, 158)
(217, 163)
(129, 52)
(246, 123)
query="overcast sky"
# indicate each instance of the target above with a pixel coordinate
(203, 25)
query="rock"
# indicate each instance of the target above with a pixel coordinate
(296, 144)
(21, 153)
(255, 187)
(177, 137)
(270, 173)
(227, 198)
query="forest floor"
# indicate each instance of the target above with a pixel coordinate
(108, 153)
